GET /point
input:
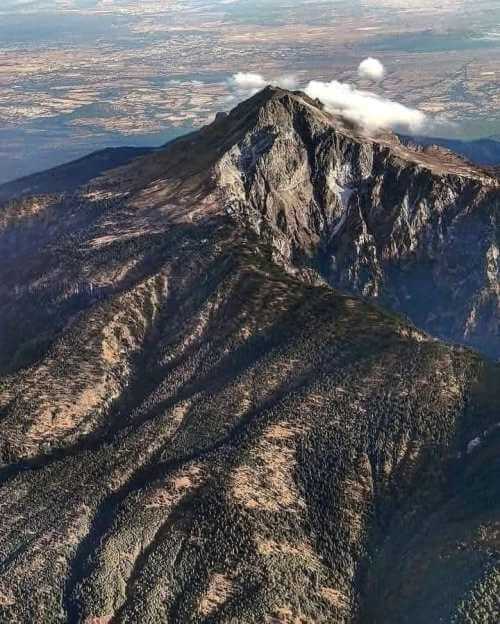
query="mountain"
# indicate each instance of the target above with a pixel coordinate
(416, 231)
(480, 151)
(73, 174)
(201, 419)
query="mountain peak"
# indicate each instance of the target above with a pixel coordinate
(363, 213)
(354, 206)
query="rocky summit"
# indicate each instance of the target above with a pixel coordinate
(224, 394)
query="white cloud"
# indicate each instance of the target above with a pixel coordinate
(366, 109)
(248, 81)
(246, 84)
(372, 69)
(288, 81)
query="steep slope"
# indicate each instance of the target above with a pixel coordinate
(197, 428)
(417, 231)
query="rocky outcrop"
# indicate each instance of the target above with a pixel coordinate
(416, 231)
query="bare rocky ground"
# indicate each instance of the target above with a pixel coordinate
(198, 426)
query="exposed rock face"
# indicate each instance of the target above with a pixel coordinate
(417, 231)
(195, 427)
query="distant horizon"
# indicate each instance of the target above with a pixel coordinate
(82, 76)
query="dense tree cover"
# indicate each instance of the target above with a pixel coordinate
(195, 428)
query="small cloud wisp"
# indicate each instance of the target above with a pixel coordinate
(371, 69)
(248, 81)
(246, 84)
